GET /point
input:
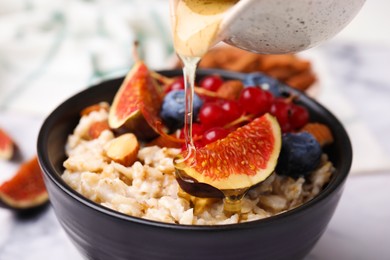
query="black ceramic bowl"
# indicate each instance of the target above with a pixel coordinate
(101, 233)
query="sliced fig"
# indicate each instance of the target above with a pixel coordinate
(241, 160)
(136, 103)
(26, 189)
(6, 146)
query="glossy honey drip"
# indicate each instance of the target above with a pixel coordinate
(232, 203)
(195, 26)
(189, 71)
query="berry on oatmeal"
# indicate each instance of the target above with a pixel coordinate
(263, 81)
(173, 108)
(300, 155)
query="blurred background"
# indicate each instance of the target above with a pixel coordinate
(51, 49)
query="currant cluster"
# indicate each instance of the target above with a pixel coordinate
(216, 117)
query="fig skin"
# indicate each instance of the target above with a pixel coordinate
(140, 98)
(201, 190)
(7, 146)
(26, 213)
(137, 125)
(26, 189)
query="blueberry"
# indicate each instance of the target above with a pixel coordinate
(263, 81)
(300, 155)
(173, 109)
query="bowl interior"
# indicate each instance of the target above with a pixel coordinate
(61, 122)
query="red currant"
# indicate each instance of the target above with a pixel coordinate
(212, 114)
(178, 84)
(299, 116)
(214, 134)
(211, 83)
(232, 108)
(255, 100)
(282, 110)
(197, 132)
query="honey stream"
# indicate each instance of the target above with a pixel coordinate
(195, 26)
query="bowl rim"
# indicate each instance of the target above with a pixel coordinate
(54, 176)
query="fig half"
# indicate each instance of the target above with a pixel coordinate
(241, 160)
(137, 100)
(26, 189)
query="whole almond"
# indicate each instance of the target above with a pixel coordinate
(123, 149)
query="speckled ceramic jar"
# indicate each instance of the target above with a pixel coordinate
(284, 26)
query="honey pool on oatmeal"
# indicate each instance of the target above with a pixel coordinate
(148, 188)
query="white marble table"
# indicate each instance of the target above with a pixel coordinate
(41, 40)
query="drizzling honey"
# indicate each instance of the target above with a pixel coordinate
(195, 26)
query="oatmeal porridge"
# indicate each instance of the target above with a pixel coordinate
(148, 187)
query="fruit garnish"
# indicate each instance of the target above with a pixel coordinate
(26, 189)
(197, 135)
(299, 116)
(137, 98)
(212, 114)
(6, 146)
(173, 108)
(290, 115)
(211, 83)
(168, 82)
(244, 158)
(177, 84)
(214, 134)
(232, 108)
(255, 100)
(263, 81)
(300, 154)
(282, 110)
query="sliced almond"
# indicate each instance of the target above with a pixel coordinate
(123, 149)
